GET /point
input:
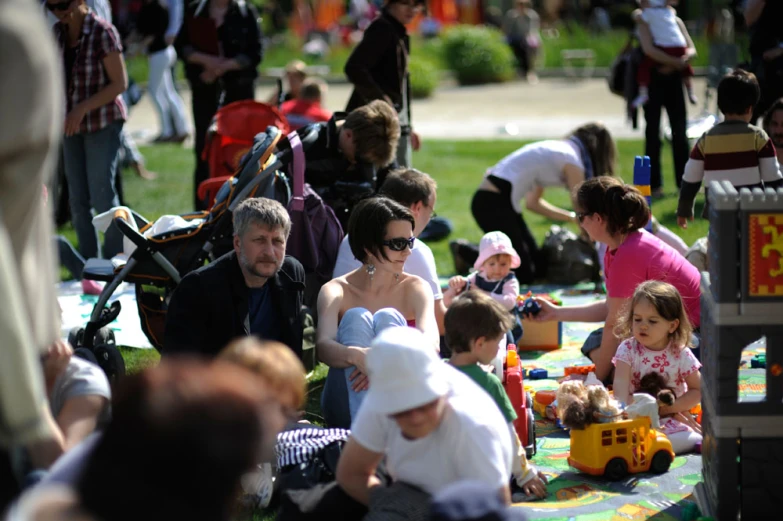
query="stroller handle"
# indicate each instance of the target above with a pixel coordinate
(121, 218)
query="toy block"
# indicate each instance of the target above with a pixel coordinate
(641, 179)
(542, 404)
(758, 361)
(521, 402)
(537, 336)
(538, 374)
(579, 369)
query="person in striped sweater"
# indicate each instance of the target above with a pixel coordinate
(733, 150)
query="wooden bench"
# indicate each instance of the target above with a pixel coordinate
(587, 56)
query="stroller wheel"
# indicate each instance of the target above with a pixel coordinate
(110, 360)
(75, 336)
(85, 354)
(104, 335)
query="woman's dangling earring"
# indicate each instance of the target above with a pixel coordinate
(370, 268)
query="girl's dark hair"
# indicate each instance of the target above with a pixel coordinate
(623, 206)
(181, 437)
(667, 301)
(599, 144)
(368, 222)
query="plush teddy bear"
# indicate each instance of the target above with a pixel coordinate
(579, 406)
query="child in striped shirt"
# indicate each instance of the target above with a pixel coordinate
(733, 150)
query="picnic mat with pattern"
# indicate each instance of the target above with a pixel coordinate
(580, 497)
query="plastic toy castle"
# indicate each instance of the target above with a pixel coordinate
(742, 300)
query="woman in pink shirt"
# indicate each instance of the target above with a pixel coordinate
(615, 214)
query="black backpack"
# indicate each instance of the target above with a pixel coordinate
(570, 259)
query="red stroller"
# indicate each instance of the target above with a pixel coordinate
(230, 137)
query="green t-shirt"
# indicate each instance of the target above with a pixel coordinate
(491, 383)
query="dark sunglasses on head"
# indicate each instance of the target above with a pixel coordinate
(399, 243)
(59, 6)
(581, 215)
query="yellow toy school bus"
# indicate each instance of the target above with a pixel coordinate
(615, 449)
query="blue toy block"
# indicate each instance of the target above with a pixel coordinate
(537, 374)
(641, 179)
(530, 307)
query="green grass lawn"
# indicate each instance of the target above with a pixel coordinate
(457, 166)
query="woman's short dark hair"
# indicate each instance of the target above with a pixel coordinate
(181, 437)
(368, 222)
(623, 206)
(598, 141)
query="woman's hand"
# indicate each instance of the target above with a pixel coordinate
(74, 120)
(549, 312)
(358, 377)
(415, 141)
(457, 284)
(536, 486)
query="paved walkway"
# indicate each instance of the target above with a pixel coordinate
(514, 110)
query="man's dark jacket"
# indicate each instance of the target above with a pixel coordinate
(209, 308)
(379, 64)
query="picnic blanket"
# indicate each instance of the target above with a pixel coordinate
(580, 497)
(76, 308)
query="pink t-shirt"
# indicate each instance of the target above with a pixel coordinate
(674, 363)
(642, 257)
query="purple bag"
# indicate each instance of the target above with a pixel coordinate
(316, 232)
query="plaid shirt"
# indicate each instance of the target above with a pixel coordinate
(88, 76)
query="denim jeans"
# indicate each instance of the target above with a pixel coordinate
(90, 168)
(358, 328)
(69, 257)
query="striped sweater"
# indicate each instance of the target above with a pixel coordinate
(732, 151)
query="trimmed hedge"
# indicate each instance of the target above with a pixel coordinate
(478, 55)
(423, 77)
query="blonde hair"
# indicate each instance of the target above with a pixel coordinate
(279, 368)
(667, 301)
(376, 131)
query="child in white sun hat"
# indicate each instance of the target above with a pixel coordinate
(432, 423)
(493, 273)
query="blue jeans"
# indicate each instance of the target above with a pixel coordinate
(69, 257)
(358, 328)
(90, 168)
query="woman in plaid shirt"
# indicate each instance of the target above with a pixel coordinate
(95, 79)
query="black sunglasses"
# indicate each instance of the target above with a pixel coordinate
(581, 215)
(59, 6)
(399, 243)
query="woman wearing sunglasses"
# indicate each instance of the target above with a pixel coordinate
(354, 308)
(615, 214)
(95, 80)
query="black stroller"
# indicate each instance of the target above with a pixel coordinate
(159, 262)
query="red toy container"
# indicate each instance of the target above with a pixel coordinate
(520, 400)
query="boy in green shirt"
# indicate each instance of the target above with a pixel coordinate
(475, 326)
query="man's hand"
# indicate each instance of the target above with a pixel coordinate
(536, 486)
(56, 360)
(682, 222)
(772, 54)
(415, 141)
(74, 120)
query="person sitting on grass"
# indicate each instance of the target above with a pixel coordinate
(79, 399)
(432, 424)
(733, 150)
(307, 107)
(283, 375)
(475, 326)
(355, 308)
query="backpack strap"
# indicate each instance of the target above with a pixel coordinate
(297, 167)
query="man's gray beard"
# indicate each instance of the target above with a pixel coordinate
(250, 268)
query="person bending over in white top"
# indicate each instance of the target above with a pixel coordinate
(669, 35)
(416, 191)
(586, 152)
(433, 425)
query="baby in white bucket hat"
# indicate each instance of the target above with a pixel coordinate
(493, 273)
